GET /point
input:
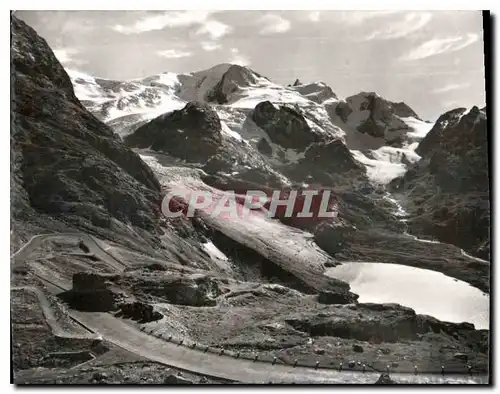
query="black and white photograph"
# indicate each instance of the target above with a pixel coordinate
(250, 197)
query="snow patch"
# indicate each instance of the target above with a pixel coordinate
(213, 251)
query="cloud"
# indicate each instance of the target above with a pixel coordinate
(238, 58)
(314, 16)
(360, 17)
(451, 87)
(214, 29)
(163, 20)
(411, 22)
(272, 23)
(173, 53)
(209, 46)
(65, 56)
(439, 46)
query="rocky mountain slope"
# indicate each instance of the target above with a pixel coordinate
(92, 156)
(448, 189)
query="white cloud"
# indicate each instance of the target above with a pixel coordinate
(239, 59)
(65, 56)
(166, 19)
(272, 23)
(173, 53)
(451, 87)
(440, 45)
(214, 29)
(314, 16)
(411, 22)
(209, 46)
(360, 17)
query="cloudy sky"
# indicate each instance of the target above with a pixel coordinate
(431, 60)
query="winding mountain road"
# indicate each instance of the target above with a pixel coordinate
(128, 336)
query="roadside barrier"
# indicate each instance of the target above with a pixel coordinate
(255, 357)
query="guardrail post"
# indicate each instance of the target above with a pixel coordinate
(388, 368)
(221, 352)
(255, 358)
(340, 367)
(364, 368)
(295, 363)
(274, 360)
(469, 367)
(442, 369)
(415, 369)
(317, 365)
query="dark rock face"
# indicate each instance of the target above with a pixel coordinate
(192, 133)
(88, 281)
(448, 189)
(330, 297)
(264, 147)
(438, 135)
(285, 126)
(234, 78)
(327, 163)
(343, 110)
(381, 116)
(65, 162)
(333, 156)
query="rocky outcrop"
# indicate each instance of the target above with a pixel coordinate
(284, 125)
(264, 147)
(330, 297)
(140, 311)
(192, 290)
(65, 162)
(374, 322)
(370, 114)
(234, 78)
(192, 133)
(327, 163)
(448, 189)
(91, 292)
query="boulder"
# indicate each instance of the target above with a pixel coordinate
(357, 348)
(176, 379)
(140, 311)
(385, 379)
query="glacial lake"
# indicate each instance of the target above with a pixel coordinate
(427, 292)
